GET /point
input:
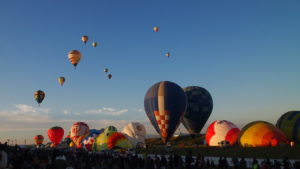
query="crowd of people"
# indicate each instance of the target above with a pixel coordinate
(32, 158)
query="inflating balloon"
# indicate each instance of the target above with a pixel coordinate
(38, 140)
(165, 103)
(61, 80)
(90, 139)
(135, 133)
(118, 141)
(289, 124)
(74, 57)
(261, 133)
(199, 108)
(102, 140)
(79, 131)
(39, 96)
(221, 131)
(55, 134)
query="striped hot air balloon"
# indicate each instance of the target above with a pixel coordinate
(165, 103)
(74, 57)
(289, 124)
(221, 131)
(261, 133)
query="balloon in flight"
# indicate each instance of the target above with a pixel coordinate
(39, 96)
(165, 104)
(156, 29)
(105, 70)
(95, 44)
(109, 76)
(74, 57)
(61, 80)
(84, 38)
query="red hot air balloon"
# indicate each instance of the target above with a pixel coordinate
(55, 134)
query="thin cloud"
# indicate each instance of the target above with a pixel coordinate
(106, 111)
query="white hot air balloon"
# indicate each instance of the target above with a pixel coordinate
(136, 133)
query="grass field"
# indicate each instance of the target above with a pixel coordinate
(182, 145)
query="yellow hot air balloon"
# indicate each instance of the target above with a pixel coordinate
(61, 80)
(74, 57)
(95, 44)
(156, 29)
(84, 38)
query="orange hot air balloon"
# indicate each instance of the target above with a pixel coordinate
(79, 131)
(156, 29)
(61, 80)
(95, 44)
(84, 38)
(118, 141)
(55, 134)
(74, 57)
(38, 140)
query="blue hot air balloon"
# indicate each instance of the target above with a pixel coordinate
(199, 108)
(165, 103)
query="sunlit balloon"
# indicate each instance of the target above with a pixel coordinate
(74, 57)
(118, 141)
(168, 54)
(84, 38)
(135, 132)
(61, 80)
(95, 44)
(221, 131)
(289, 124)
(79, 131)
(199, 108)
(102, 140)
(89, 140)
(38, 140)
(39, 96)
(261, 133)
(55, 134)
(165, 104)
(156, 29)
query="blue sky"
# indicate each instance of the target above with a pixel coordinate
(245, 53)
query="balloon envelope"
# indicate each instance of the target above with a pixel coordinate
(156, 29)
(199, 108)
(39, 96)
(118, 141)
(165, 103)
(135, 133)
(220, 131)
(261, 133)
(95, 44)
(61, 80)
(79, 131)
(38, 139)
(55, 134)
(84, 38)
(289, 124)
(74, 57)
(101, 142)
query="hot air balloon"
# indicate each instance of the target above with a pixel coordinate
(109, 76)
(199, 108)
(118, 141)
(95, 44)
(289, 124)
(61, 80)
(79, 131)
(90, 139)
(156, 29)
(220, 132)
(261, 133)
(102, 140)
(84, 39)
(135, 133)
(105, 70)
(165, 103)
(168, 54)
(39, 96)
(74, 57)
(55, 134)
(38, 140)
